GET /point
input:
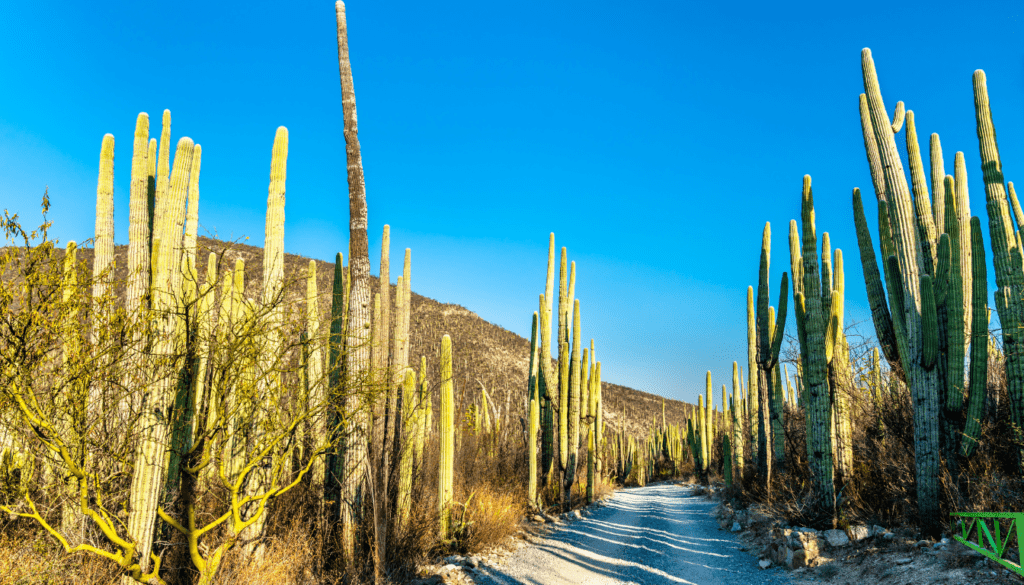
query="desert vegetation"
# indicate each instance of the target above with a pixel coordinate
(187, 410)
(922, 418)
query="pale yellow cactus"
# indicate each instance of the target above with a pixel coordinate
(138, 219)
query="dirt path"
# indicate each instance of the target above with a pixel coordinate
(650, 535)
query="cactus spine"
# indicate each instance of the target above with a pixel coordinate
(446, 469)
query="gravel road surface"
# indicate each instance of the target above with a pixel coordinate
(651, 535)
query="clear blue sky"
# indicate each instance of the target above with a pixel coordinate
(653, 138)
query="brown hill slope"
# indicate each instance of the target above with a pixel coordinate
(485, 354)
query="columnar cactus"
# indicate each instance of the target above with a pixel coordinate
(769, 343)
(908, 266)
(1006, 254)
(315, 380)
(547, 382)
(564, 308)
(139, 219)
(533, 412)
(737, 424)
(598, 418)
(404, 503)
(752, 398)
(446, 469)
(979, 343)
(727, 458)
(817, 404)
(150, 462)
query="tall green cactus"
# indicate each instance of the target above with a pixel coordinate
(1006, 255)
(769, 343)
(907, 267)
(446, 469)
(818, 403)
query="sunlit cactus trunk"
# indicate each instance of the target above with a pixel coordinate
(403, 503)
(573, 415)
(316, 383)
(599, 440)
(533, 412)
(446, 469)
(546, 381)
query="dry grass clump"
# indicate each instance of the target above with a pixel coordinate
(30, 558)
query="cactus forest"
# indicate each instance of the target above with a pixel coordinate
(181, 409)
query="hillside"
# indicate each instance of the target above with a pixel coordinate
(485, 354)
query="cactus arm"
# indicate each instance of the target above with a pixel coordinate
(875, 290)
(922, 202)
(898, 117)
(781, 321)
(138, 214)
(192, 206)
(1018, 213)
(938, 184)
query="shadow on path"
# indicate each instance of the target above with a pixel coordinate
(651, 535)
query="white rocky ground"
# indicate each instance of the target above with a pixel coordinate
(656, 534)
